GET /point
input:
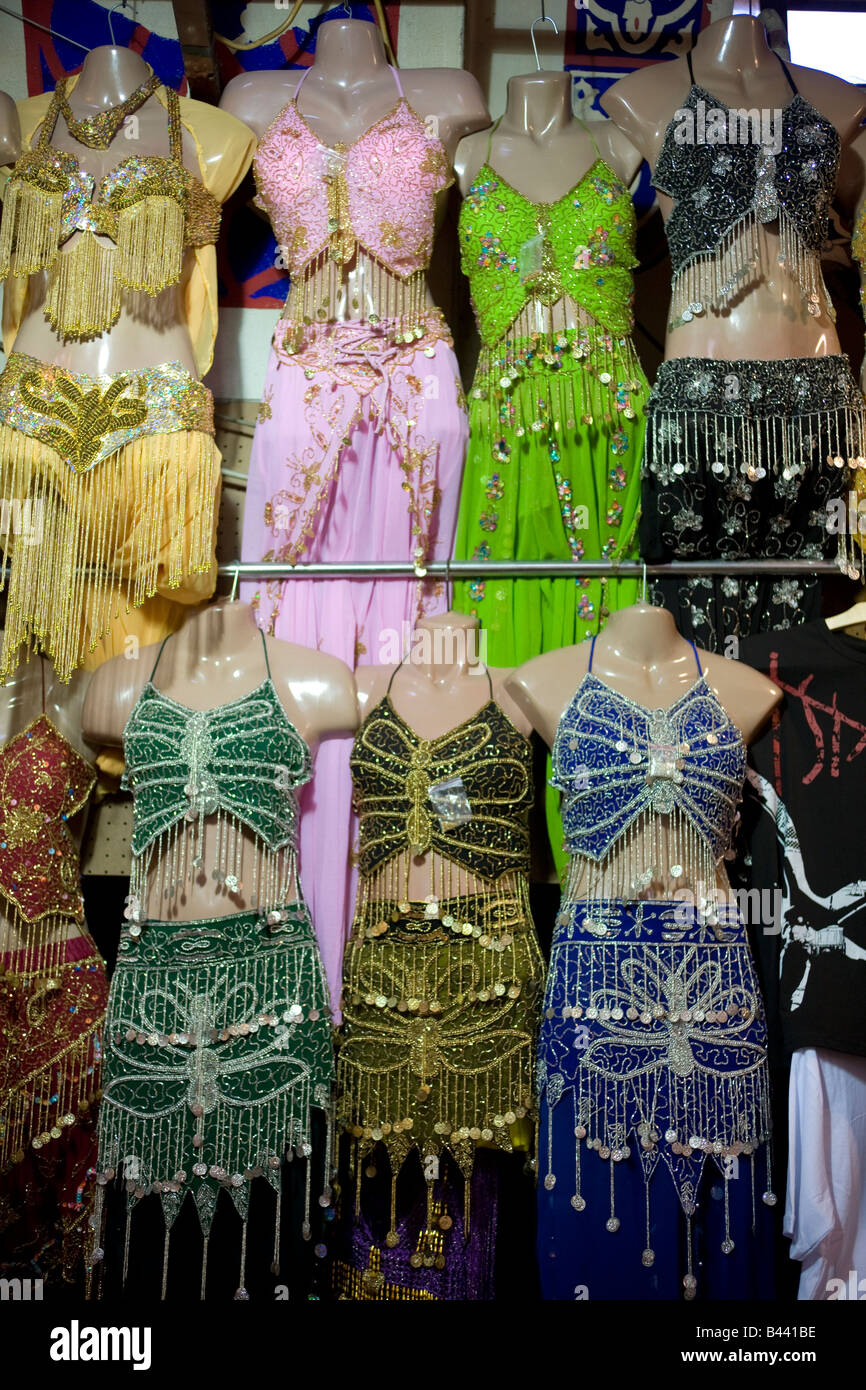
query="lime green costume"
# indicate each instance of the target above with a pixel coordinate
(556, 415)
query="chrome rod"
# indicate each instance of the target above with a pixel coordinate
(525, 569)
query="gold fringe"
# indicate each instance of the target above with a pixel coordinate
(137, 522)
(30, 229)
(84, 296)
(150, 242)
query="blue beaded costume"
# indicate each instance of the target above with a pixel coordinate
(652, 1057)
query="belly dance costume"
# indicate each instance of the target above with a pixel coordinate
(654, 1104)
(556, 416)
(362, 429)
(743, 457)
(52, 1005)
(440, 1004)
(118, 475)
(218, 1032)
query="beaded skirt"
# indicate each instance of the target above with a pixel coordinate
(52, 1008)
(218, 1046)
(652, 1045)
(744, 460)
(116, 480)
(440, 1015)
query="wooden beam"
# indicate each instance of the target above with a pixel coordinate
(195, 31)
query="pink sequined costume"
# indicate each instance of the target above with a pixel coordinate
(361, 434)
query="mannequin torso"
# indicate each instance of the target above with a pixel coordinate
(640, 654)
(150, 330)
(350, 89)
(21, 703)
(435, 694)
(216, 659)
(542, 151)
(733, 62)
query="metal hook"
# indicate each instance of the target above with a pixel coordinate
(235, 584)
(121, 5)
(348, 8)
(542, 19)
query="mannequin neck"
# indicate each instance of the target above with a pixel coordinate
(223, 627)
(446, 646)
(737, 44)
(642, 635)
(348, 50)
(109, 75)
(538, 104)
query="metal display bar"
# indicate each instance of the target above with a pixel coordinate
(525, 569)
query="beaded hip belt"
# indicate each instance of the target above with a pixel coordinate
(86, 419)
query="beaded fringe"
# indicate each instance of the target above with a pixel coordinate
(84, 294)
(140, 520)
(261, 876)
(88, 276)
(150, 245)
(29, 229)
(529, 387)
(717, 278)
(657, 857)
(59, 1092)
(314, 295)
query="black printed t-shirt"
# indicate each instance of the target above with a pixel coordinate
(804, 824)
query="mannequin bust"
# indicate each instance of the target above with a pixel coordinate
(350, 89)
(732, 60)
(440, 686)
(542, 151)
(21, 701)
(539, 146)
(641, 654)
(215, 659)
(149, 330)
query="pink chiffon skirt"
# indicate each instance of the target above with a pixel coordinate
(358, 455)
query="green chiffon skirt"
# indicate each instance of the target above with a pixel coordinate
(552, 473)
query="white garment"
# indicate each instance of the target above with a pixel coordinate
(825, 1210)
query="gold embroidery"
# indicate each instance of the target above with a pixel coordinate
(85, 416)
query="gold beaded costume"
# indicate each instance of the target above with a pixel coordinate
(441, 997)
(115, 477)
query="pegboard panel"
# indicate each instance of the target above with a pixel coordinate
(106, 849)
(235, 422)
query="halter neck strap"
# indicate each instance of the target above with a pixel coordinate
(162, 648)
(403, 663)
(591, 655)
(697, 658)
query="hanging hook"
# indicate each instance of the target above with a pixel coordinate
(348, 8)
(542, 19)
(235, 584)
(121, 5)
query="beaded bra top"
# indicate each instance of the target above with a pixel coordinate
(394, 773)
(623, 768)
(514, 251)
(371, 203)
(726, 178)
(44, 782)
(150, 207)
(238, 764)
